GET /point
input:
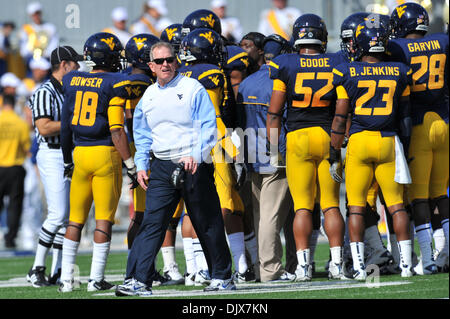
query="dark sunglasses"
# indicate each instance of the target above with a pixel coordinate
(161, 61)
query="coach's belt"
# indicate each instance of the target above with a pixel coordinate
(54, 146)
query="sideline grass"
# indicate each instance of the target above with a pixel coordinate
(418, 287)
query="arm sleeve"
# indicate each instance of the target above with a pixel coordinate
(204, 118)
(142, 139)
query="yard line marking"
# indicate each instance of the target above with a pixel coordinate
(254, 289)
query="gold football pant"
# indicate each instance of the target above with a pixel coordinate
(430, 149)
(225, 182)
(370, 155)
(307, 151)
(139, 195)
(97, 177)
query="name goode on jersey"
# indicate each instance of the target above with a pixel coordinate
(375, 70)
(314, 63)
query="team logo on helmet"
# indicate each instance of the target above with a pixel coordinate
(139, 42)
(171, 33)
(209, 19)
(400, 10)
(109, 42)
(208, 36)
(358, 30)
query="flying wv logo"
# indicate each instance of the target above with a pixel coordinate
(139, 42)
(171, 33)
(401, 11)
(208, 36)
(209, 19)
(180, 96)
(109, 42)
(358, 30)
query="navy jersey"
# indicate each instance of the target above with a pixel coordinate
(308, 83)
(88, 96)
(374, 91)
(428, 59)
(209, 75)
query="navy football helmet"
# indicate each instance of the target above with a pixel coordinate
(172, 34)
(203, 45)
(275, 45)
(369, 40)
(310, 29)
(407, 18)
(348, 28)
(104, 50)
(137, 50)
(201, 19)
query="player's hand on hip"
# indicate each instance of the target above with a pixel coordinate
(142, 179)
(190, 165)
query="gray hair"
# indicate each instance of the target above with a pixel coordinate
(161, 44)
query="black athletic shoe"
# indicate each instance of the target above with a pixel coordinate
(55, 279)
(37, 277)
(99, 285)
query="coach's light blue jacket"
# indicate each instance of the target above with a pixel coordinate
(174, 121)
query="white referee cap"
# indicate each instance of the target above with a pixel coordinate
(10, 80)
(41, 64)
(119, 14)
(218, 3)
(34, 7)
(159, 5)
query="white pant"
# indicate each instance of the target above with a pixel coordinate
(57, 189)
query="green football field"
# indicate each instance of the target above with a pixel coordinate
(14, 286)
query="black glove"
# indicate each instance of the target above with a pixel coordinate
(345, 143)
(177, 178)
(335, 163)
(241, 172)
(68, 170)
(132, 174)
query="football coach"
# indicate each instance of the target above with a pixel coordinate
(175, 123)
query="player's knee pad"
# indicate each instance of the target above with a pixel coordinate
(173, 224)
(442, 206)
(421, 211)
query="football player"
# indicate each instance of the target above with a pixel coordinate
(203, 50)
(304, 80)
(172, 34)
(93, 120)
(427, 55)
(377, 95)
(378, 254)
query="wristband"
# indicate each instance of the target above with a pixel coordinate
(129, 163)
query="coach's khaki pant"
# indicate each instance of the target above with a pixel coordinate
(272, 203)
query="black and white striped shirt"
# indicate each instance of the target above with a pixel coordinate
(47, 102)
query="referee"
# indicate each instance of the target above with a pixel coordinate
(46, 104)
